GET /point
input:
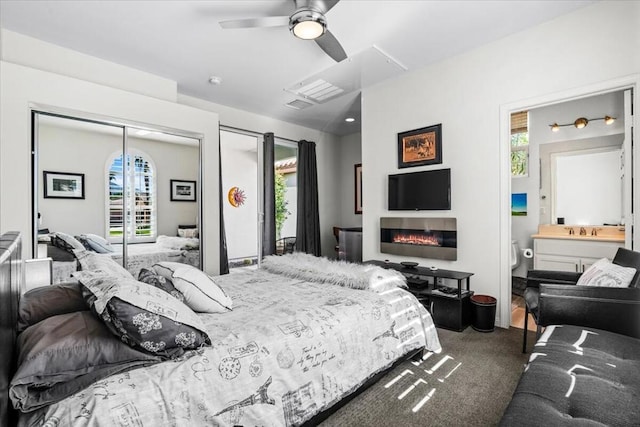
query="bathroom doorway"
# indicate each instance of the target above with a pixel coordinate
(532, 196)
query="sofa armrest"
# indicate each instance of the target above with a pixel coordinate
(536, 277)
(611, 309)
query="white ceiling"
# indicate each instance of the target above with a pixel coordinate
(182, 41)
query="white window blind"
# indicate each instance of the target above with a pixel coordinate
(137, 172)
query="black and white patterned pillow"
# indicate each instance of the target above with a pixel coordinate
(150, 277)
(143, 316)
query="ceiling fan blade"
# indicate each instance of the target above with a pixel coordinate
(323, 5)
(267, 21)
(331, 46)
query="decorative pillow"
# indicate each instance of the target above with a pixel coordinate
(200, 292)
(604, 273)
(90, 261)
(381, 279)
(57, 254)
(64, 354)
(300, 265)
(151, 278)
(47, 301)
(65, 241)
(144, 316)
(95, 243)
(188, 232)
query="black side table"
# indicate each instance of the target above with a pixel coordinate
(450, 307)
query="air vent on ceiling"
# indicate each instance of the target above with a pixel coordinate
(319, 90)
(298, 104)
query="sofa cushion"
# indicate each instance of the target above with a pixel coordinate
(578, 376)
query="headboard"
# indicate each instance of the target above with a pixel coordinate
(11, 285)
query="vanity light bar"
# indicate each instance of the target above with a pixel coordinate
(582, 122)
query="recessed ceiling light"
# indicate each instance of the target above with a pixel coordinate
(349, 119)
(215, 80)
(142, 132)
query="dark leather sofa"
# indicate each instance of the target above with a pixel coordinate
(585, 368)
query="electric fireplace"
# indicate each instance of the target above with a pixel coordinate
(434, 238)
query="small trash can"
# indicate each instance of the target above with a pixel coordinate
(483, 313)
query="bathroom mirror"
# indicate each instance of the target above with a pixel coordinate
(582, 181)
(587, 186)
(127, 191)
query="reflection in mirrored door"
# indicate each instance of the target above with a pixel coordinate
(70, 187)
(241, 199)
(131, 193)
(162, 206)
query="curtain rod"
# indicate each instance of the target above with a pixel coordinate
(252, 133)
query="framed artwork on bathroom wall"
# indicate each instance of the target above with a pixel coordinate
(519, 204)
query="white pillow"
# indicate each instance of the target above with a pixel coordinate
(97, 243)
(605, 273)
(91, 261)
(200, 292)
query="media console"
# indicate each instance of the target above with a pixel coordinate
(450, 307)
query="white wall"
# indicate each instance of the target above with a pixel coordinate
(350, 154)
(327, 155)
(240, 169)
(21, 87)
(465, 94)
(72, 150)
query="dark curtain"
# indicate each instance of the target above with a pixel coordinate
(269, 228)
(224, 257)
(308, 220)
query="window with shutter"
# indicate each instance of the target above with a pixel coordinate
(520, 144)
(135, 172)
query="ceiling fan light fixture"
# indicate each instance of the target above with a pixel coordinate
(307, 24)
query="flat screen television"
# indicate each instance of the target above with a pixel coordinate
(426, 190)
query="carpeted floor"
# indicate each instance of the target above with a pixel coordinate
(470, 383)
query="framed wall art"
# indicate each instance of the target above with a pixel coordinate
(358, 188)
(420, 147)
(183, 191)
(63, 185)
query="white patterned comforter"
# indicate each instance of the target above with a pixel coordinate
(288, 350)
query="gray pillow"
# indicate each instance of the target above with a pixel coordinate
(95, 243)
(143, 316)
(151, 278)
(64, 354)
(47, 301)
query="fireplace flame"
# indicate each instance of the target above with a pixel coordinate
(416, 239)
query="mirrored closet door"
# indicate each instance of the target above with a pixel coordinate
(132, 193)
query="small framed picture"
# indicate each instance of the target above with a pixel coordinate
(63, 185)
(358, 188)
(183, 191)
(420, 147)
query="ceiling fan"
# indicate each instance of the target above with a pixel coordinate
(307, 22)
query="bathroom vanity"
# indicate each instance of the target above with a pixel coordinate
(574, 248)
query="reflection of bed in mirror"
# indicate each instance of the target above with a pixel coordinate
(140, 255)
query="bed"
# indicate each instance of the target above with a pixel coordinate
(293, 346)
